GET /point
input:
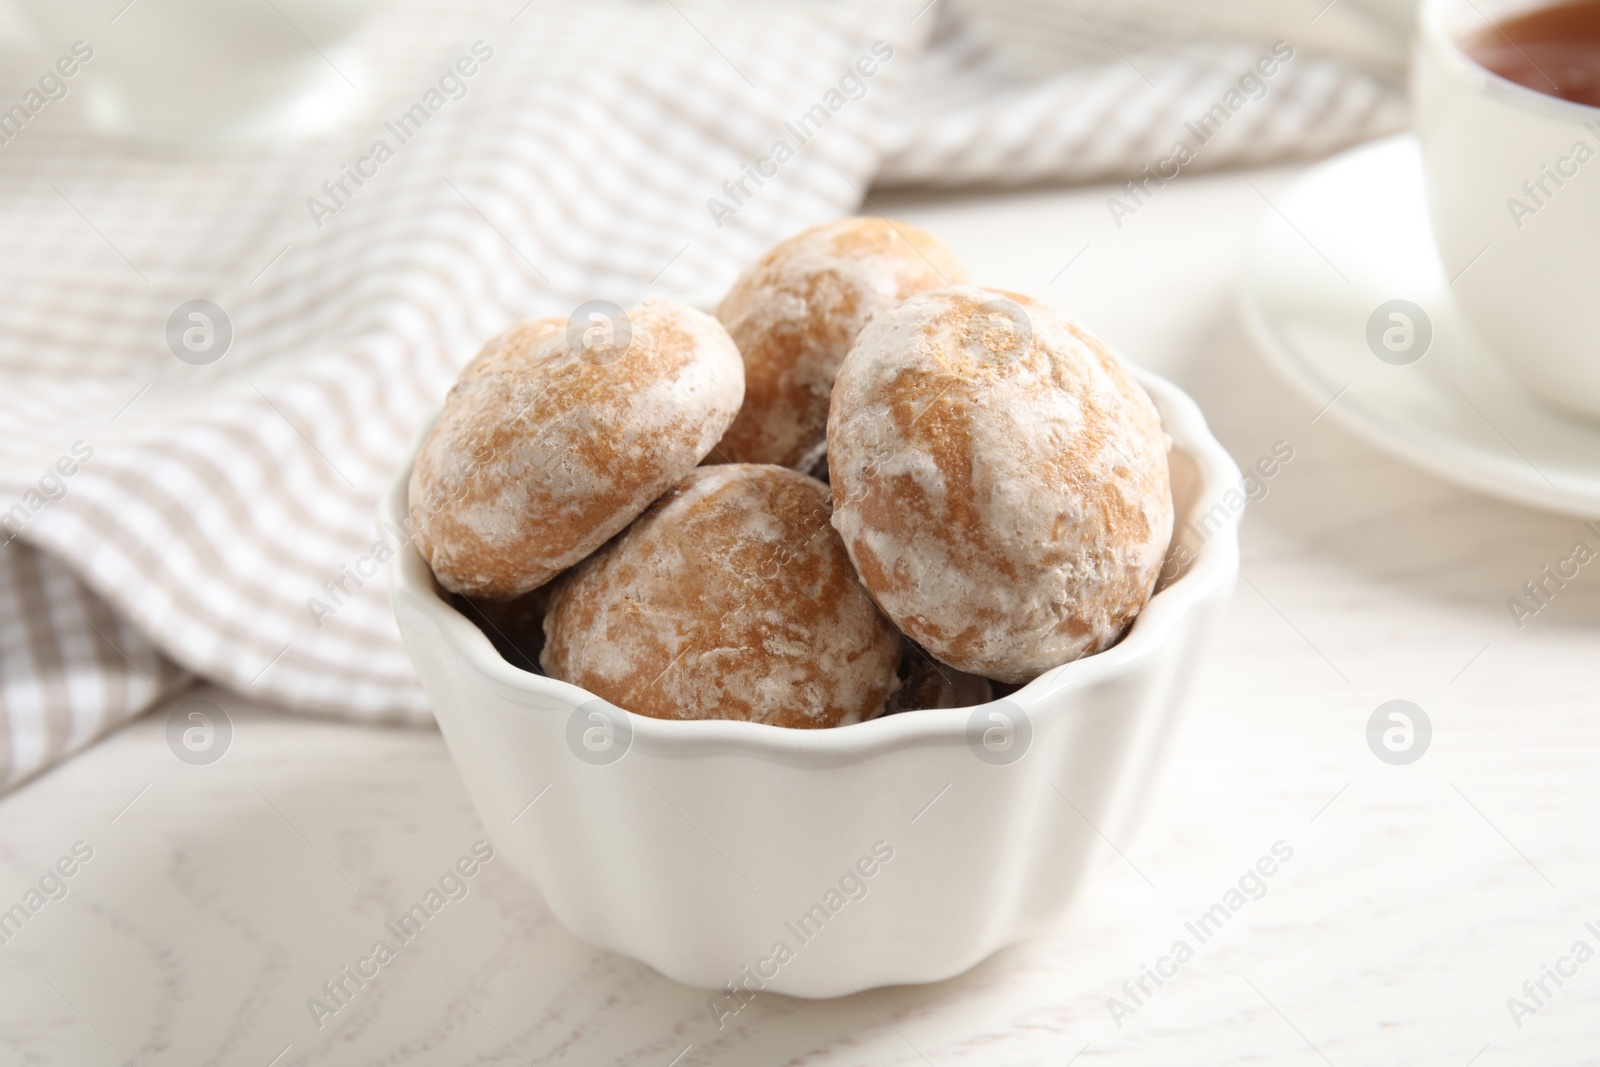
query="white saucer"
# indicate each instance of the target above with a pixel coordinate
(1351, 235)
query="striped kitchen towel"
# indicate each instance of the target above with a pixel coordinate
(214, 360)
(1032, 91)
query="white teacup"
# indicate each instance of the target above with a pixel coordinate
(1515, 204)
(203, 71)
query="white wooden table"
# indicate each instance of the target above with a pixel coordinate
(1418, 898)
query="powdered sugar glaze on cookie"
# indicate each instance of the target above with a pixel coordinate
(999, 480)
(732, 598)
(548, 444)
(794, 315)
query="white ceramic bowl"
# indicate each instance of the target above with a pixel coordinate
(819, 862)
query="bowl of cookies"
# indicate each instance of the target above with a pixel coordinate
(825, 641)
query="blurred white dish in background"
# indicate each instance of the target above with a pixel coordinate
(209, 71)
(1497, 157)
(1321, 294)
